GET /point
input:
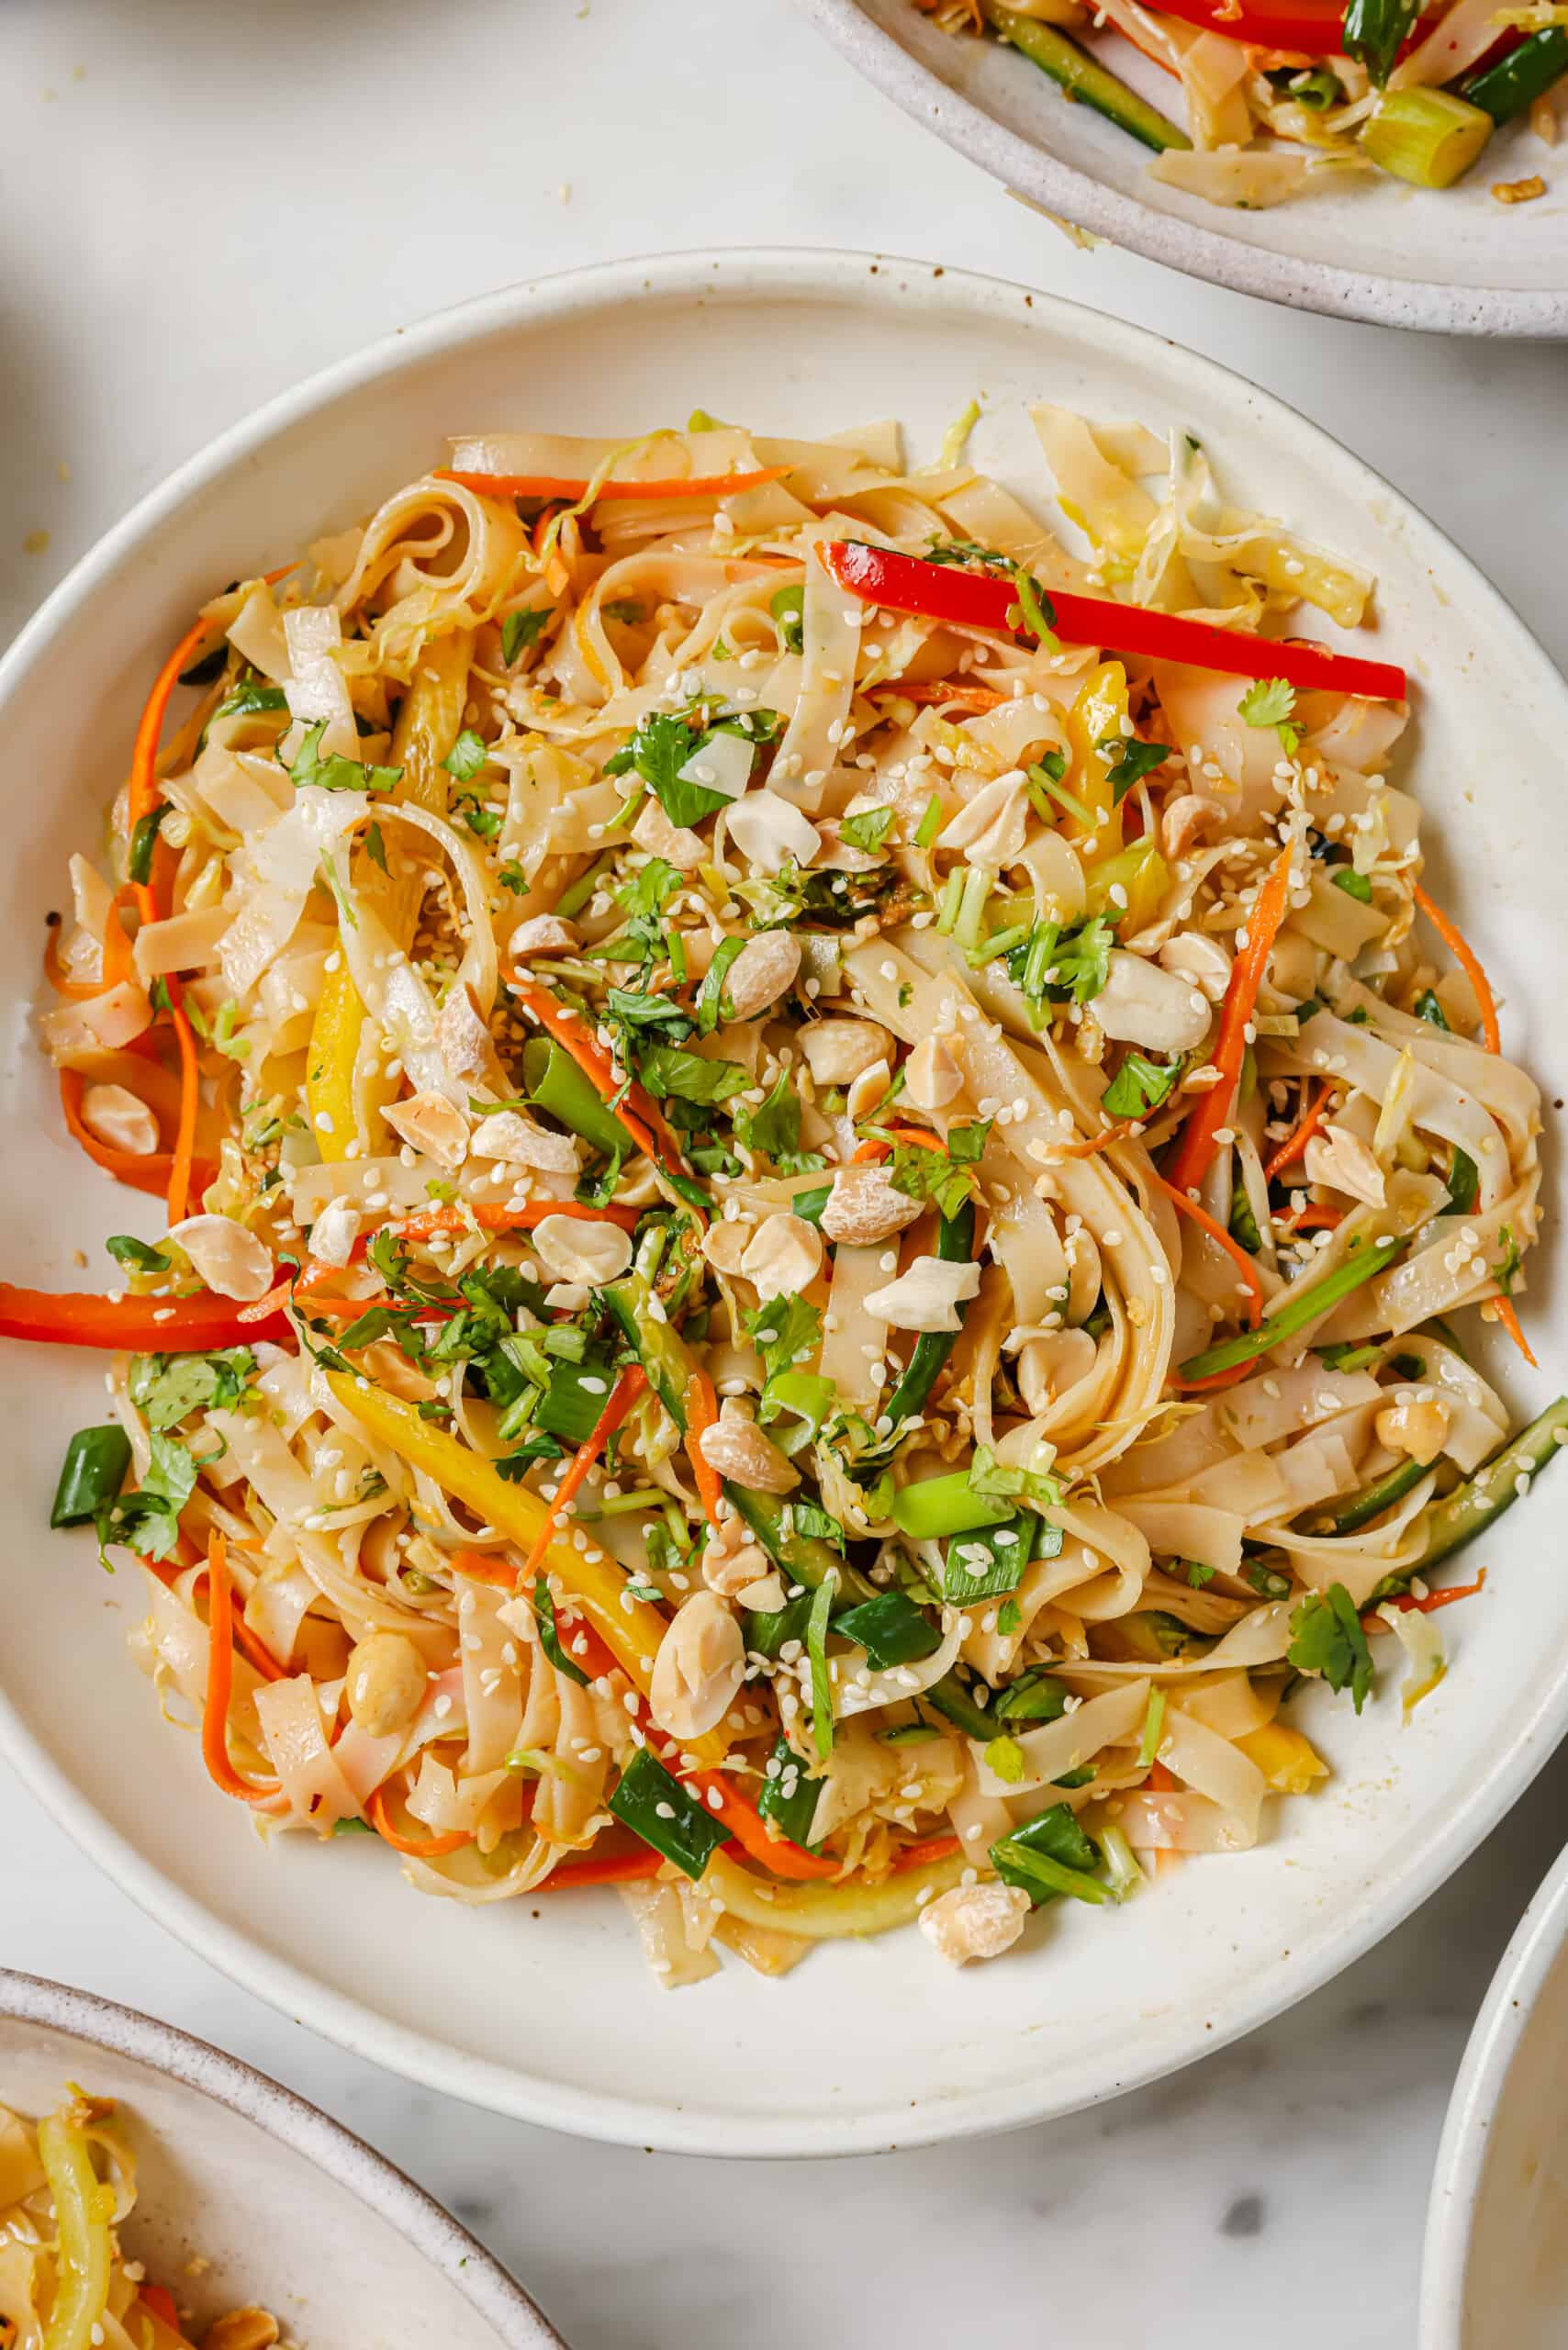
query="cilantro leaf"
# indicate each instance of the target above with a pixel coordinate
(335, 773)
(788, 608)
(550, 1635)
(657, 751)
(148, 1521)
(649, 890)
(1266, 701)
(945, 1177)
(252, 694)
(1139, 1086)
(774, 1127)
(665, 1069)
(869, 829)
(1426, 1007)
(166, 1388)
(466, 757)
(483, 821)
(519, 630)
(630, 1008)
(1133, 760)
(1327, 1637)
(785, 1331)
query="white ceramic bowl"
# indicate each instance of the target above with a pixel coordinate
(1458, 262)
(1496, 2266)
(290, 2210)
(543, 2008)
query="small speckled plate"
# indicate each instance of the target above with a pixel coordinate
(542, 2006)
(1456, 262)
(1496, 2268)
(247, 2194)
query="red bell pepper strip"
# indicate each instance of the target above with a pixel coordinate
(166, 1326)
(940, 591)
(560, 486)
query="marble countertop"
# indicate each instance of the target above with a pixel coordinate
(198, 215)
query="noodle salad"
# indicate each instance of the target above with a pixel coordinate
(823, 1163)
(1284, 99)
(67, 2186)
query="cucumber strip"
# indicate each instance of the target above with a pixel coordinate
(1079, 76)
(1495, 1487)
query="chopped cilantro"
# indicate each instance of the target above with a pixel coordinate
(1139, 1086)
(788, 608)
(148, 1521)
(335, 773)
(666, 1070)
(869, 829)
(166, 1388)
(1134, 759)
(519, 630)
(1327, 1637)
(466, 757)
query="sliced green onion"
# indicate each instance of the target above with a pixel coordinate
(1121, 1861)
(1084, 78)
(1034, 1696)
(1428, 137)
(816, 1650)
(952, 899)
(1153, 1730)
(1381, 1497)
(1304, 1305)
(554, 1082)
(654, 1805)
(1000, 942)
(573, 899)
(1516, 80)
(93, 1470)
(979, 882)
(550, 1636)
(890, 1629)
(930, 823)
(143, 841)
(788, 1795)
(1049, 1857)
(943, 1506)
(989, 1562)
(709, 1004)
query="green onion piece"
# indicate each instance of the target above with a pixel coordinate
(1153, 1730)
(573, 1403)
(1121, 1861)
(1426, 1007)
(1034, 1696)
(930, 824)
(943, 1506)
(788, 608)
(143, 841)
(552, 1082)
(572, 901)
(816, 1649)
(550, 1636)
(978, 883)
(954, 1245)
(92, 1473)
(952, 899)
(1516, 80)
(709, 1005)
(1355, 885)
(766, 1631)
(1304, 1305)
(654, 1805)
(788, 1795)
(1042, 781)
(808, 1204)
(1000, 942)
(1049, 1857)
(1428, 137)
(990, 1562)
(890, 1629)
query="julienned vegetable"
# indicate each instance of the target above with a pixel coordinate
(1505, 1479)
(1428, 137)
(1517, 80)
(82, 2214)
(147, 1325)
(1084, 78)
(1302, 1305)
(902, 583)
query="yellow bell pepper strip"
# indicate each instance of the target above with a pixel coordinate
(426, 729)
(830, 1912)
(1288, 1760)
(1142, 875)
(83, 2207)
(1094, 736)
(632, 1630)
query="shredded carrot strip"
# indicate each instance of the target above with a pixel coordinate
(1465, 955)
(618, 1868)
(182, 1162)
(1314, 1217)
(149, 1174)
(1085, 1145)
(1373, 1620)
(220, 1684)
(575, 1037)
(921, 1136)
(1195, 1146)
(1509, 1319)
(926, 1847)
(562, 485)
(1300, 1135)
(418, 1848)
(623, 1397)
(703, 1412)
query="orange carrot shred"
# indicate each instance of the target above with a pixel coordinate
(1300, 1135)
(703, 1412)
(1195, 1146)
(1509, 1319)
(623, 1397)
(220, 1684)
(1465, 955)
(418, 1848)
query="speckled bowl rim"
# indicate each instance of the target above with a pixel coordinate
(1495, 2040)
(377, 2182)
(1033, 172)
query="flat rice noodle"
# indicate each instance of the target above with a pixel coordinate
(276, 1606)
(1477, 1419)
(257, 632)
(278, 868)
(186, 942)
(1362, 1560)
(1084, 1187)
(1358, 1057)
(1188, 1530)
(653, 456)
(660, 1921)
(449, 1804)
(861, 1690)
(1261, 1637)
(1062, 1746)
(1505, 1092)
(849, 1331)
(296, 1739)
(1092, 490)
(1438, 1278)
(364, 1761)
(1315, 1469)
(444, 554)
(492, 1682)
(1457, 39)
(479, 969)
(1212, 1766)
(830, 624)
(1232, 1707)
(179, 1641)
(1175, 1823)
(569, 1796)
(859, 1772)
(317, 689)
(1250, 1483)
(243, 791)
(1336, 922)
(982, 510)
(1246, 179)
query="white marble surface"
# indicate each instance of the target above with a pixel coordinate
(203, 204)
